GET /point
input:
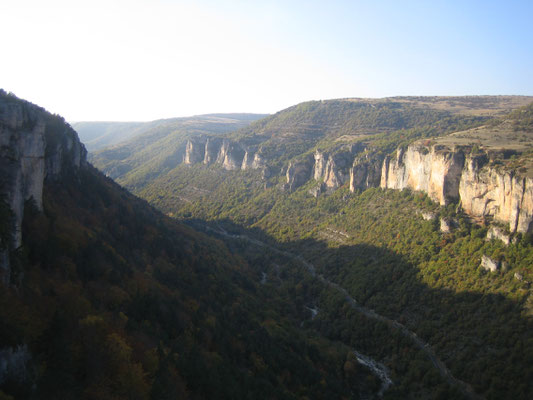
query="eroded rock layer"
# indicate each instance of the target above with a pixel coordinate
(34, 146)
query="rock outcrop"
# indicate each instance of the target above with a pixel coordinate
(299, 172)
(365, 172)
(319, 166)
(334, 169)
(233, 156)
(495, 232)
(487, 191)
(448, 175)
(229, 154)
(34, 146)
(212, 149)
(195, 151)
(435, 170)
(489, 264)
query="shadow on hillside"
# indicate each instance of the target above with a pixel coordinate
(484, 339)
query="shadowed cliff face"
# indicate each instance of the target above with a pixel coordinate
(34, 146)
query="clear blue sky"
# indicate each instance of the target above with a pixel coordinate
(143, 60)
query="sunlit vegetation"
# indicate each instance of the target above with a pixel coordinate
(378, 246)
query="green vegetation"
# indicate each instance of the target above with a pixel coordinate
(523, 119)
(381, 125)
(157, 147)
(377, 245)
(118, 301)
(115, 300)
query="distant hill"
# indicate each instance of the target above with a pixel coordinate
(381, 124)
(99, 134)
(96, 135)
(159, 146)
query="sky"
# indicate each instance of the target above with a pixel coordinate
(140, 60)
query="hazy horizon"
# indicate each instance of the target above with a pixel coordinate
(143, 61)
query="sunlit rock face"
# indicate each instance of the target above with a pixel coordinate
(335, 169)
(34, 146)
(497, 233)
(231, 155)
(436, 171)
(487, 191)
(489, 264)
(319, 166)
(448, 175)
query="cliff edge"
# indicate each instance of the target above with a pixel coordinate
(35, 146)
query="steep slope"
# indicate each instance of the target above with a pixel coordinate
(419, 262)
(108, 298)
(34, 146)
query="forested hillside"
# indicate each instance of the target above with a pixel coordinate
(108, 298)
(461, 284)
(99, 135)
(378, 125)
(154, 147)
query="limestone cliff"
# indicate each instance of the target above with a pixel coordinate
(252, 160)
(334, 168)
(319, 166)
(212, 148)
(229, 154)
(435, 170)
(233, 156)
(195, 151)
(299, 172)
(35, 146)
(365, 172)
(451, 174)
(488, 191)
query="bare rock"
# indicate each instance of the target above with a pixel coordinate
(212, 149)
(446, 225)
(299, 172)
(429, 216)
(195, 151)
(317, 190)
(489, 264)
(34, 146)
(499, 234)
(434, 170)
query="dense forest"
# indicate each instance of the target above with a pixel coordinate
(113, 300)
(382, 247)
(235, 287)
